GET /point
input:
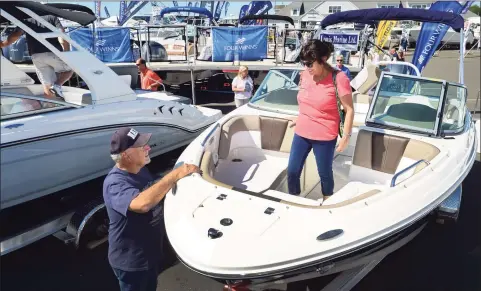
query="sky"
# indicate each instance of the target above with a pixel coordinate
(113, 6)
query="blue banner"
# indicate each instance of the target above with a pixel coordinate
(97, 10)
(122, 10)
(107, 14)
(431, 34)
(133, 10)
(110, 45)
(245, 43)
(342, 40)
(226, 8)
(218, 10)
(257, 8)
(466, 6)
(243, 11)
(131, 5)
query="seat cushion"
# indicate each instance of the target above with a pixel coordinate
(350, 191)
(251, 169)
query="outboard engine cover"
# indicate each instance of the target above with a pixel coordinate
(156, 53)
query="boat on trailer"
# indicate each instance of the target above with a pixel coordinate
(413, 143)
(49, 145)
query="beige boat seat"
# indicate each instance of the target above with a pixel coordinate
(253, 144)
(364, 81)
(378, 156)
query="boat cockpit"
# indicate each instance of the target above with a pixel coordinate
(250, 152)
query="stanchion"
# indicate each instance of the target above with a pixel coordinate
(194, 101)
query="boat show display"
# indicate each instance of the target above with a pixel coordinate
(413, 143)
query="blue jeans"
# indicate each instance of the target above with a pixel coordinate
(324, 153)
(137, 280)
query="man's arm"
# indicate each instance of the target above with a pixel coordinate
(154, 77)
(16, 34)
(65, 45)
(150, 197)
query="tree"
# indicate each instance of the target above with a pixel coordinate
(475, 9)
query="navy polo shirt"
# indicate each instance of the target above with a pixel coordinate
(135, 239)
(345, 70)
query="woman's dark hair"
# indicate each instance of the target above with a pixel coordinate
(315, 50)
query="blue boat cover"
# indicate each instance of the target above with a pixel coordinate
(370, 16)
(191, 9)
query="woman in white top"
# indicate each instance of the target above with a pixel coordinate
(242, 86)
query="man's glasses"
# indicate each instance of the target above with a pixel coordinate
(339, 61)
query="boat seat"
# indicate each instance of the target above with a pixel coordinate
(352, 190)
(366, 79)
(261, 144)
(251, 170)
(378, 156)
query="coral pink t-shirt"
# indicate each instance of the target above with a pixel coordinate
(318, 115)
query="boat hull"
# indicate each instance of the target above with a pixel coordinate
(327, 267)
(32, 169)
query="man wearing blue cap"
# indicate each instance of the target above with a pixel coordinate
(133, 203)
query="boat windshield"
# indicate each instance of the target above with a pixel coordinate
(278, 91)
(407, 102)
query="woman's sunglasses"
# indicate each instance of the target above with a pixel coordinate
(307, 64)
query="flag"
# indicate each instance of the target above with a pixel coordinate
(302, 11)
(243, 11)
(107, 14)
(431, 34)
(122, 10)
(466, 6)
(384, 31)
(226, 8)
(97, 10)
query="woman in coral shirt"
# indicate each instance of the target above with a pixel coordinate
(317, 126)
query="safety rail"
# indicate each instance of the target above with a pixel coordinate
(144, 38)
(393, 181)
(210, 133)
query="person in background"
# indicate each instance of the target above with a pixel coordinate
(149, 80)
(394, 54)
(404, 42)
(317, 125)
(242, 86)
(51, 70)
(134, 206)
(340, 66)
(401, 56)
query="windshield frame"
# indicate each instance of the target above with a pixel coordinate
(437, 123)
(451, 132)
(277, 71)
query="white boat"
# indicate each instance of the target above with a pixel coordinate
(413, 143)
(450, 38)
(48, 145)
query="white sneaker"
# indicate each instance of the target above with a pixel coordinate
(321, 200)
(57, 90)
